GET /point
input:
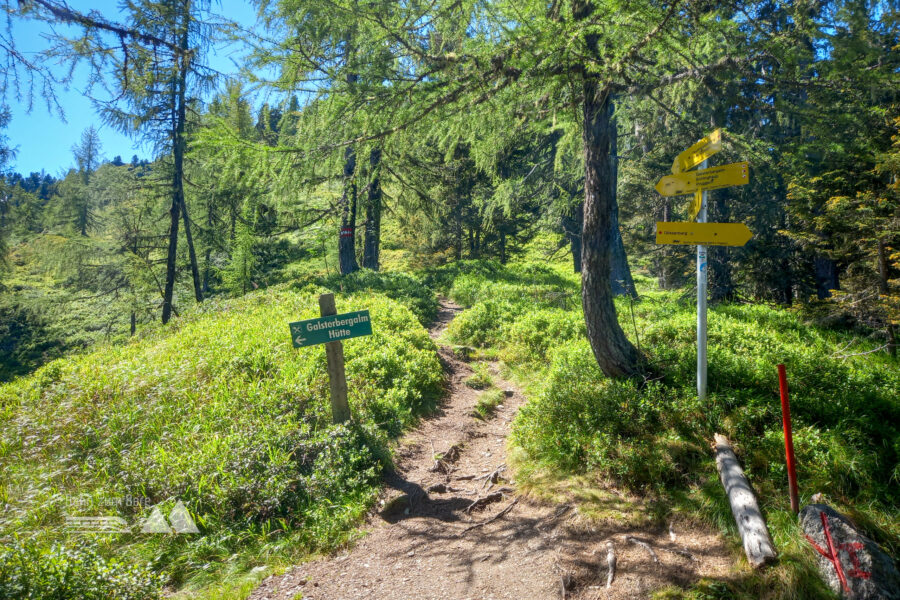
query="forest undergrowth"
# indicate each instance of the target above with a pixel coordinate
(652, 436)
(220, 413)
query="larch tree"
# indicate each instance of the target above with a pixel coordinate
(152, 66)
(87, 158)
(574, 55)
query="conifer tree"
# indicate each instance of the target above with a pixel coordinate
(154, 73)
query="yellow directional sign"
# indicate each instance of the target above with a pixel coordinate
(699, 152)
(696, 205)
(705, 234)
(704, 179)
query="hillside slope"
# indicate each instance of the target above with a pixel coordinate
(218, 412)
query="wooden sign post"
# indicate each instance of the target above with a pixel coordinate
(340, 408)
(330, 329)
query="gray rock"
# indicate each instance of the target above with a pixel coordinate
(870, 572)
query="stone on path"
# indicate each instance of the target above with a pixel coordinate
(862, 571)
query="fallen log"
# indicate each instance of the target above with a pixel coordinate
(754, 533)
(610, 564)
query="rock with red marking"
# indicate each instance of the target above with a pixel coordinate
(862, 570)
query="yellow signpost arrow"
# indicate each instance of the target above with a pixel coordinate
(699, 152)
(705, 179)
(696, 205)
(702, 234)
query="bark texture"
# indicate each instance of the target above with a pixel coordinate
(615, 355)
(177, 107)
(721, 282)
(572, 226)
(754, 533)
(347, 239)
(372, 241)
(619, 275)
(195, 270)
(826, 276)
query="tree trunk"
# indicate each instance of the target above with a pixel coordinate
(459, 233)
(206, 260)
(174, 213)
(347, 240)
(133, 323)
(179, 92)
(195, 271)
(883, 288)
(721, 284)
(663, 277)
(372, 241)
(787, 273)
(750, 523)
(572, 227)
(615, 355)
(620, 275)
(826, 276)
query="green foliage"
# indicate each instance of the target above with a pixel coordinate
(411, 290)
(222, 413)
(25, 339)
(488, 403)
(238, 275)
(28, 572)
(654, 435)
(481, 379)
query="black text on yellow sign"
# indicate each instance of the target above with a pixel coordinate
(702, 234)
(704, 179)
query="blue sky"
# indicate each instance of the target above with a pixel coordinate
(44, 141)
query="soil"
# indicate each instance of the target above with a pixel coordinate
(451, 525)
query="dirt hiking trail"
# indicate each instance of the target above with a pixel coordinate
(451, 526)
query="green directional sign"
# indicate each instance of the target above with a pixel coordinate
(330, 329)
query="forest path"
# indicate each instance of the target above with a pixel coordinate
(426, 540)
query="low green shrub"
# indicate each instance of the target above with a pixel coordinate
(481, 379)
(488, 402)
(655, 434)
(217, 410)
(401, 287)
(530, 339)
(28, 572)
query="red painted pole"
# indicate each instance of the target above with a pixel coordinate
(788, 440)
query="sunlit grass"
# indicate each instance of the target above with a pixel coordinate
(652, 436)
(217, 410)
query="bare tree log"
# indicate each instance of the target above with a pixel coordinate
(754, 533)
(610, 563)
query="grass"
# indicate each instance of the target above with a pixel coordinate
(219, 411)
(481, 379)
(652, 436)
(488, 402)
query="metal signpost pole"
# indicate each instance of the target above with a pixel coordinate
(701, 302)
(683, 181)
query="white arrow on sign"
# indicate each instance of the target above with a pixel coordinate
(299, 340)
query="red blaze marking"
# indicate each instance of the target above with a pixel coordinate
(832, 555)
